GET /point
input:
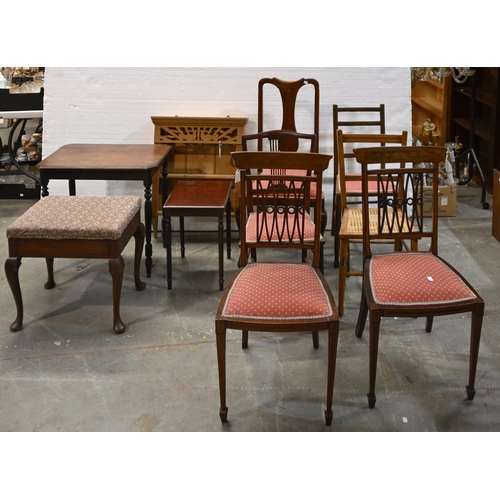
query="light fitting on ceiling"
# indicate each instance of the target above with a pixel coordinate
(460, 75)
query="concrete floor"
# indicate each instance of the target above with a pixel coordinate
(67, 371)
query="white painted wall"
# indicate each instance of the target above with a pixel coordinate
(115, 105)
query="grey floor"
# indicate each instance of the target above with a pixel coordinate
(67, 371)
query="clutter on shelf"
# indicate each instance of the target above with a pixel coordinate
(22, 80)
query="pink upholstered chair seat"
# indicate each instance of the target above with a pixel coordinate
(267, 171)
(418, 279)
(279, 291)
(278, 229)
(355, 186)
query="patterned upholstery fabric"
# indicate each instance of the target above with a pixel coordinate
(76, 217)
(288, 233)
(411, 278)
(277, 291)
(267, 171)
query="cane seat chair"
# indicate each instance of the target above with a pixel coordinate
(409, 284)
(352, 120)
(278, 295)
(351, 229)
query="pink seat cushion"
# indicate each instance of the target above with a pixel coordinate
(281, 227)
(295, 172)
(418, 279)
(355, 186)
(277, 291)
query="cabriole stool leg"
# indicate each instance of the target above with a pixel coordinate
(12, 265)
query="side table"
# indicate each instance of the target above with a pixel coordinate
(198, 199)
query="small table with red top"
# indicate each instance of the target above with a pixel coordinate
(198, 199)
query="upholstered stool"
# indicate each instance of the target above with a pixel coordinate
(82, 227)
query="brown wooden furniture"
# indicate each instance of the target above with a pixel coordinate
(430, 100)
(349, 182)
(290, 93)
(201, 150)
(124, 162)
(72, 227)
(350, 119)
(279, 296)
(495, 219)
(280, 140)
(198, 199)
(284, 140)
(409, 284)
(480, 133)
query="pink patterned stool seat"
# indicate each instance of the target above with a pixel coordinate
(85, 227)
(418, 279)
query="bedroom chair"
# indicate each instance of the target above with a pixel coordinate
(279, 295)
(409, 284)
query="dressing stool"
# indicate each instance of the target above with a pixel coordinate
(81, 227)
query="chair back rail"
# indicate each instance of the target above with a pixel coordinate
(400, 192)
(279, 201)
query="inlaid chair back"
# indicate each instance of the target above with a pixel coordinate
(398, 190)
(278, 295)
(416, 283)
(276, 204)
(351, 229)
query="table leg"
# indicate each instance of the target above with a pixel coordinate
(72, 187)
(181, 230)
(221, 251)
(228, 228)
(168, 243)
(148, 211)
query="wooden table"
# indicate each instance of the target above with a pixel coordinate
(198, 199)
(126, 162)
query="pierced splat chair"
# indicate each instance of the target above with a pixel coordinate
(349, 183)
(290, 94)
(409, 284)
(282, 140)
(279, 295)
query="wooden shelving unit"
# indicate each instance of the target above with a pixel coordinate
(431, 100)
(486, 123)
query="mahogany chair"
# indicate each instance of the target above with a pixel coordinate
(350, 119)
(290, 93)
(349, 182)
(282, 140)
(409, 284)
(278, 295)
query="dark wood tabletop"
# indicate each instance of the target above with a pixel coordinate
(105, 157)
(125, 162)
